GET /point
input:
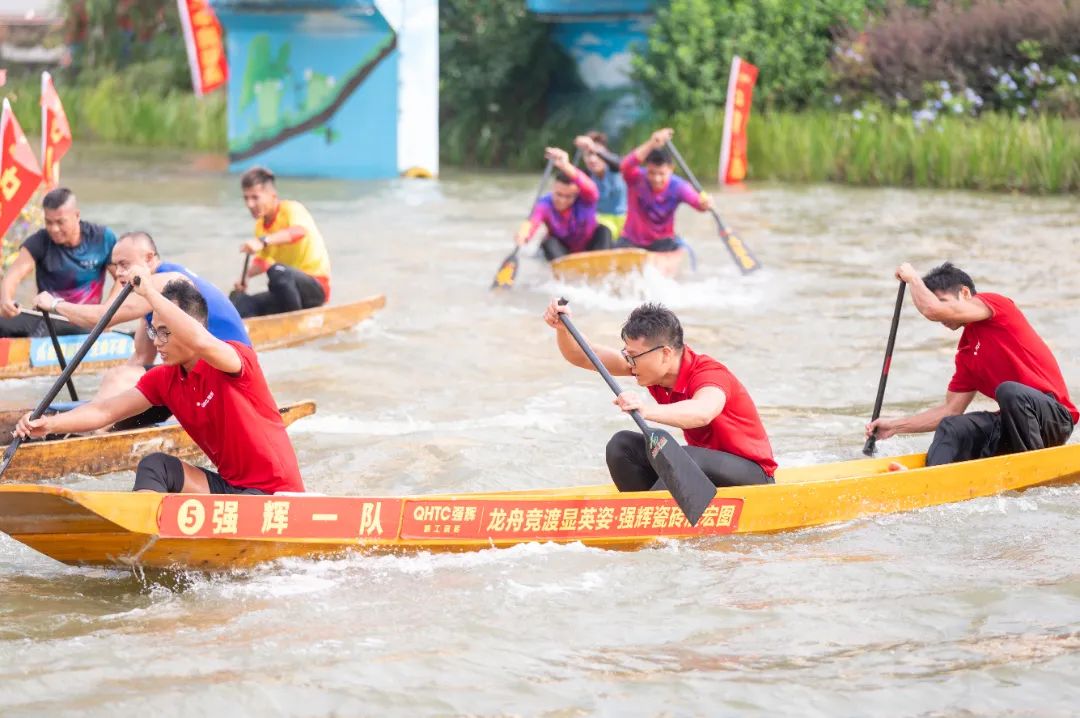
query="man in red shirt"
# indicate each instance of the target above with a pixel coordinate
(1000, 356)
(693, 392)
(215, 389)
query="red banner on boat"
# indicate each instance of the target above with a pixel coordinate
(736, 116)
(272, 517)
(55, 132)
(19, 171)
(552, 519)
(205, 45)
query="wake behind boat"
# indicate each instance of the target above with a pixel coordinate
(25, 357)
(207, 532)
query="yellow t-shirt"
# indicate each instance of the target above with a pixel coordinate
(307, 254)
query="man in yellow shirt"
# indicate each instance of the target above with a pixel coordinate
(287, 246)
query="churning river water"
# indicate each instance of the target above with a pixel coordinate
(965, 609)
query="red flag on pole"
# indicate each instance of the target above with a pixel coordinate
(736, 115)
(55, 132)
(205, 45)
(19, 172)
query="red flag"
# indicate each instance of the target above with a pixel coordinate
(205, 45)
(19, 172)
(736, 115)
(55, 132)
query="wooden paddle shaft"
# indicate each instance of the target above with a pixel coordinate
(69, 370)
(871, 440)
(243, 272)
(638, 419)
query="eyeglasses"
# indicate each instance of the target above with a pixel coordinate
(156, 335)
(631, 359)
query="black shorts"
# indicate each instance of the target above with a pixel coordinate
(219, 485)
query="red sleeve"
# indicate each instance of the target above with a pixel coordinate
(712, 376)
(247, 359)
(538, 216)
(589, 194)
(993, 302)
(630, 168)
(151, 385)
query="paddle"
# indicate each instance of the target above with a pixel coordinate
(743, 257)
(59, 318)
(688, 484)
(243, 274)
(504, 278)
(69, 370)
(871, 440)
(59, 352)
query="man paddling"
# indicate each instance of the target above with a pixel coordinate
(138, 249)
(1000, 356)
(603, 167)
(654, 192)
(215, 389)
(568, 212)
(69, 258)
(288, 247)
(694, 392)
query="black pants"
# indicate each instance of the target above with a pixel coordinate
(554, 248)
(165, 474)
(1028, 419)
(289, 290)
(628, 463)
(27, 325)
(668, 244)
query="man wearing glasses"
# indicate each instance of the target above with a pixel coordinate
(137, 249)
(693, 392)
(218, 393)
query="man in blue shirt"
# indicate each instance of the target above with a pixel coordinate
(603, 167)
(68, 257)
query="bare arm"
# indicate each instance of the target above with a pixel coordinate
(704, 406)
(145, 353)
(18, 271)
(568, 347)
(962, 311)
(88, 417)
(655, 142)
(955, 403)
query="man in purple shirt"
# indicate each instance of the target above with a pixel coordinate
(568, 212)
(654, 192)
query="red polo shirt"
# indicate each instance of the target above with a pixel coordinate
(232, 417)
(1006, 348)
(737, 429)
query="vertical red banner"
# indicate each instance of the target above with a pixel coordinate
(736, 116)
(205, 45)
(55, 132)
(19, 172)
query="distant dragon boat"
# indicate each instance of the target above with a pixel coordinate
(35, 356)
(615, 262)
(200, 532)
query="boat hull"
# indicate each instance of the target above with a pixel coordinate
(19, 357)
(115, 451)
(615, 262)
(223, 532)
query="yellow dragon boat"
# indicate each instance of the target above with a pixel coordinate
(183, 531)
(98, 454)
(24, 357)
(615, 262)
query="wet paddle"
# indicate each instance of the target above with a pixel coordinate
(504, 278)
(243, 273)
(59, 352)
(9, 454)
(742, 255)
(688, 484)
(871, 441)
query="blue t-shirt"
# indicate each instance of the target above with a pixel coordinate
(612, 192)
(74, 274)
(223, 320)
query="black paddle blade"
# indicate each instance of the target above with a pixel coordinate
(504, 278)
(688, 484)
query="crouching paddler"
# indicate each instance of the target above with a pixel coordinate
(214, 388)
(1001, 356)
(694, 392)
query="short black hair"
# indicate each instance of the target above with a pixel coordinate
(256, 176)
(185, 295)
(948, 278)
(659, 156)
(561, 176)
(141, 237)
(598, 137)
(57, 198)
(656, 323)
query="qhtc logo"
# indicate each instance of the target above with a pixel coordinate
(202, 404)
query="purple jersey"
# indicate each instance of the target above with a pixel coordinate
(576, 225)
(650, 216)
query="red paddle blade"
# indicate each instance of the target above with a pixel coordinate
(504, 278)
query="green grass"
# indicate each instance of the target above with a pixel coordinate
(995, 152)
